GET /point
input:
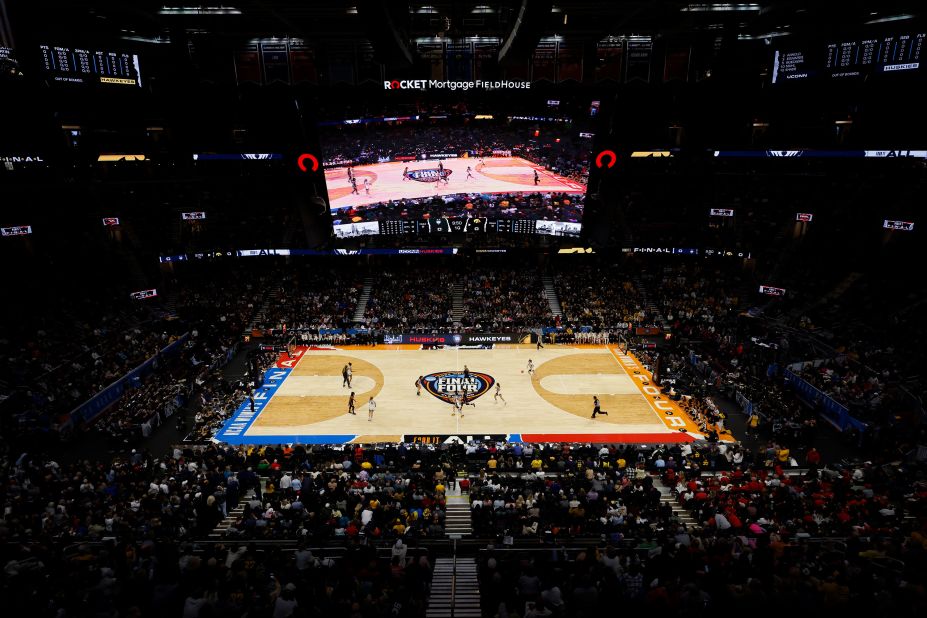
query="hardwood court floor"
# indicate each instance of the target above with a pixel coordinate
(557, 400)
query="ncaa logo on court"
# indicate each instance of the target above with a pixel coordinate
(445, 385)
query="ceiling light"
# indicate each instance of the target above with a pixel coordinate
(888, 18)
(724, 7)
(199, 10)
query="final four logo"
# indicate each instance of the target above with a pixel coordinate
(445, 385)
(428, 175)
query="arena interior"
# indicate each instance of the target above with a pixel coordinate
(520, 309)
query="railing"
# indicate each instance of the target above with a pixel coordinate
(93, 407)
(830, 409)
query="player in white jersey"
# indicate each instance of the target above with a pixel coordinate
(458, 405)
(498, 395)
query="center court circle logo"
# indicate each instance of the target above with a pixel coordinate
(428, 175)
(445, 385)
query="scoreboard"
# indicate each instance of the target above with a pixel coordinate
(893, 53)
(468, 225)
(88, 65)
(850, 58)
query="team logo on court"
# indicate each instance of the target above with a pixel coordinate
(445, 385)
(428, 175)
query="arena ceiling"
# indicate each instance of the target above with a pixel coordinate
(338, 20)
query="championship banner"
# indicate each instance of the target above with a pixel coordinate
(544, 61)
(610, 58)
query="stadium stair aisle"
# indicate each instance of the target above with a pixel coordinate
(457, 303)
(455, 591)
(666, 495)
(648, 303)
(363, 299)
(457, 521)
(272, 300)
(550, 293)
(233, 514)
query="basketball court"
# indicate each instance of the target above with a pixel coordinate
(304, 400)
(493, 175)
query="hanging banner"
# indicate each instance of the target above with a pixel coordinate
(458, 58)
(302, 65)
(544, 62)
(569, 62)
(368, 69)
(248, 65)
(340, 63)
(433, 53)
(638, 65)
(484, 60)
(676, 65)
(275, 58)
(610, 60)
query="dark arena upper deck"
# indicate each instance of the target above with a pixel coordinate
(521, 309)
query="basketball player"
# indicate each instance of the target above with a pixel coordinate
(367, 185)
(465, 400)
(351, 404)
(466, 373)
(350, 173)
(537, 179)
(458, 405)
(354, 190)
(498, 395)
(530, 367)
(346, 374)
(418, 386)
(596, 408)
(405, 173)
(540, 341)
(469, 174)
(371, 406)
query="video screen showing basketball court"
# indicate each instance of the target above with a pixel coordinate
(457, 172)
(304, 398)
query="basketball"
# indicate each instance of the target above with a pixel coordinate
(522, 370)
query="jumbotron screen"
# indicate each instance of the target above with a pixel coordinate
(457, 172)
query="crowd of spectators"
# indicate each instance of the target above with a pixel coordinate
(601, 298)
(750, 505)
(58, 362)
(218, 398)
(112, 536)
(754, 530)
(163, 578)
(357, 496)
(504, 300)
(309, 300)
(411, 300)
(848, 383)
